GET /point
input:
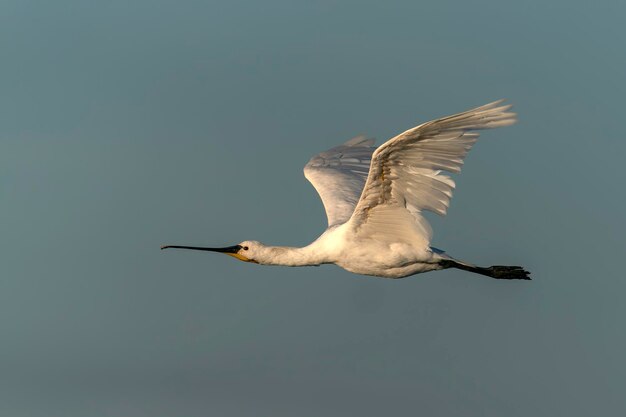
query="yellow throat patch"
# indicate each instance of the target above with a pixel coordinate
(241, 257)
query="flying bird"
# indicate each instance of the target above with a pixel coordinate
(375, 198)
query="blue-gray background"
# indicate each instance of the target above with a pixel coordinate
(127, 125)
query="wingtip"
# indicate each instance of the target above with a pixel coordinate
(360, 140)
(495, 105)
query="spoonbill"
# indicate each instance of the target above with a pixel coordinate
(374, 199)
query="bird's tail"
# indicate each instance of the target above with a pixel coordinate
(495, 271)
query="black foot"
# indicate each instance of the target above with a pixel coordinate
(507, 272)
(496, 271)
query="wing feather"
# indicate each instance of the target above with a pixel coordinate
(339, 174)
(407, 173)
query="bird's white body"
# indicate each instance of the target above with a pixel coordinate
(374, 199)
(339, 245)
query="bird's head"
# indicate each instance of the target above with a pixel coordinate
(249, 251)
(246, 251)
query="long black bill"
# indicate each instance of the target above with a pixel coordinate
(228, 249)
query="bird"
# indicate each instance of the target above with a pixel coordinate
(374, 198)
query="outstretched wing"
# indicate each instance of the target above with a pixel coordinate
(339, 174)
(406, 175)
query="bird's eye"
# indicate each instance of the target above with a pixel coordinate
(245, 248)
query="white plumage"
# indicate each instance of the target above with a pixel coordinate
(374, 199)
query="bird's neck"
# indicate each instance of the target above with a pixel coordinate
(288, 256)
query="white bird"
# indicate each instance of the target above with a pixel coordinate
(374, 199)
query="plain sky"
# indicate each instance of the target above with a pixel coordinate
(125, 125)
